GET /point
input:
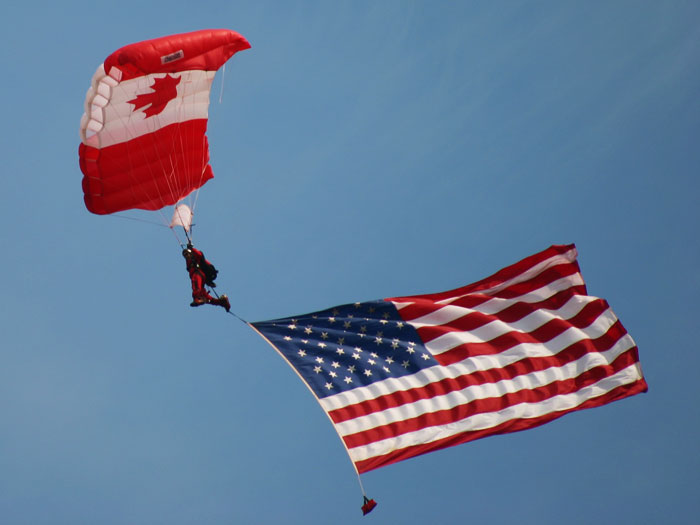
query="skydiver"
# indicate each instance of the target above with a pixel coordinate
(202, 273)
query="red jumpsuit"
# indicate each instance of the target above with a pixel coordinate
(202, 273)
(195, 260)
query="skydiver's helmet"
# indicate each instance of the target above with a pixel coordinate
(187, 252)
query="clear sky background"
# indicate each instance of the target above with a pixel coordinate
(361, 150)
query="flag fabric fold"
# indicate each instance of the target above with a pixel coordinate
(404, 376)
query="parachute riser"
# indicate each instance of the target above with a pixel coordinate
(187, 235)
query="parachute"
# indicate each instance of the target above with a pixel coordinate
(143, 133)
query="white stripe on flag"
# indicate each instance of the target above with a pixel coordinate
(450, 313)
(561, 403)
(497, 328)
(484, 391)
(564, 258)
(471, 365)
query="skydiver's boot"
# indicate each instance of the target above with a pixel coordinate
(198, 301)
(223, 301)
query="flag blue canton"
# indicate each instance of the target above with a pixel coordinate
(348, 346)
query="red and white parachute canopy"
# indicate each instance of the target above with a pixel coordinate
(143, 133)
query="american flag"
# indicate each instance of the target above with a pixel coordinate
(405, 376)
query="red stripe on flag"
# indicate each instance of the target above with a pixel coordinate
(499, 277)
(491, 404)
(543, 334)
(511, 314)
(494, 375)
(424, 306)
(514, 425)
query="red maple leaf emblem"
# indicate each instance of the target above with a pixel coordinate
(164, 90)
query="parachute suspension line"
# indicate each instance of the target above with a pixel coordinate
(170, 177)
(204, 161)
(186, 224)
(169, 171)
(223, 77)
(176, 236)
(195, 197)
(130, 154)
(187, 235)
(124, 120)
(179, 148)
(168, 168)
(119, 216)
(187, 142)
(183, 144)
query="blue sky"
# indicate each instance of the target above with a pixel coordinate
(361, 150)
